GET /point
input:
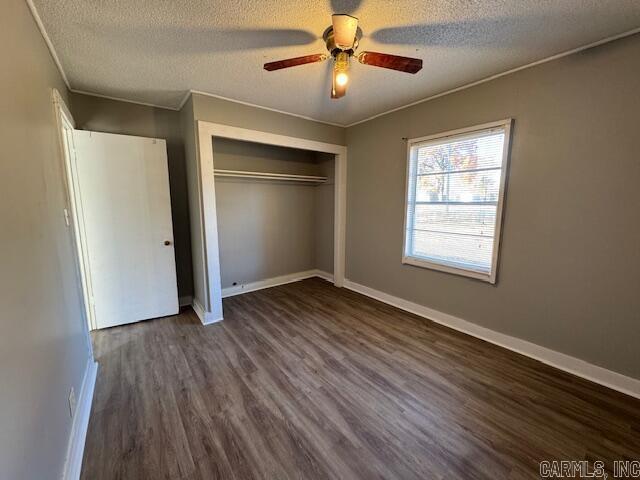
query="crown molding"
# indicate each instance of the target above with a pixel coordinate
(184, 99)
(119, 99)
(304, 117)
(47, 40)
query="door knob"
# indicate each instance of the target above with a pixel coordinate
(167, 242)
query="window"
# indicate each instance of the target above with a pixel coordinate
(455, 190)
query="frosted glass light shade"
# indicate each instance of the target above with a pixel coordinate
(344, 30)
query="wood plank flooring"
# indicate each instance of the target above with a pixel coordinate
(308, 381)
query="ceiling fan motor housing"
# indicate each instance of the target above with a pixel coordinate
(329, 39)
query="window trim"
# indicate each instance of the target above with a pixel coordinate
(490, 277)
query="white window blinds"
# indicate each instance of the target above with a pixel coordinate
(455, 187)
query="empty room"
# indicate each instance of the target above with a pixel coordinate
(330, 239)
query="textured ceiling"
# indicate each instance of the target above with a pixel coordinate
(154, 51)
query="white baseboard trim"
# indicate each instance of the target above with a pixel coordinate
(80, 424)
(575, 366)
(324, 275)
(185, 300)
(198, 309)
(274, 282)
(207, 318)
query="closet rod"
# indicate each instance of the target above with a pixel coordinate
(269, 176)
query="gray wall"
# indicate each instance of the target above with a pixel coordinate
(569, 274)
(266, 228)
(43, 340)
(188, 132)
(235, 114)
(111, 116)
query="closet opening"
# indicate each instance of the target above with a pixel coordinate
(270, 209)
(275, 214)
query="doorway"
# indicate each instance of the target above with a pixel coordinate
(120, 212)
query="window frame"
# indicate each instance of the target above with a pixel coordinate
(413, 143)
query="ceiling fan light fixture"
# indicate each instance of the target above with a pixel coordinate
(340, 75)
(345, 28)
(341, 69)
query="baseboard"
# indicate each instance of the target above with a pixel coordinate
(211, 319)
(207, 318)
(185, 300)
(80, 424)
(198, 309)
(575, 366)
(274, 282)
(324, 275)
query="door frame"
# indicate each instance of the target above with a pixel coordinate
(73, 206)
(205, 135)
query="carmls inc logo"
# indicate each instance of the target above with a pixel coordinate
(582, 469)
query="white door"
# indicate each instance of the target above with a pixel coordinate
(123, 187)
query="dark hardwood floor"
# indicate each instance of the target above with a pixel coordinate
(309, 381)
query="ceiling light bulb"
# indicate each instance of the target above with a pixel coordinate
(342, 78)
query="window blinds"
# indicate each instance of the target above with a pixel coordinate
(453, 195)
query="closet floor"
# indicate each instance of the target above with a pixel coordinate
(308, 381)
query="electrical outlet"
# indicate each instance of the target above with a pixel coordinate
(72, 402)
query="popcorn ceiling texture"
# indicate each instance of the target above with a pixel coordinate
(154, 51)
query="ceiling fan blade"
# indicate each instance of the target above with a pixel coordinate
(344, 30)
(294, 62)
(394, 62)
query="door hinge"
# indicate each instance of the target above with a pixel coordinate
(67, 219)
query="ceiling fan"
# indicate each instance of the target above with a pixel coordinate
(342, 39)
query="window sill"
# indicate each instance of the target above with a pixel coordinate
(418, 262)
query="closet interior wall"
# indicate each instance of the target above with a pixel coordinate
(270, 228)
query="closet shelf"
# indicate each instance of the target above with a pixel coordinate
(269, 176)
